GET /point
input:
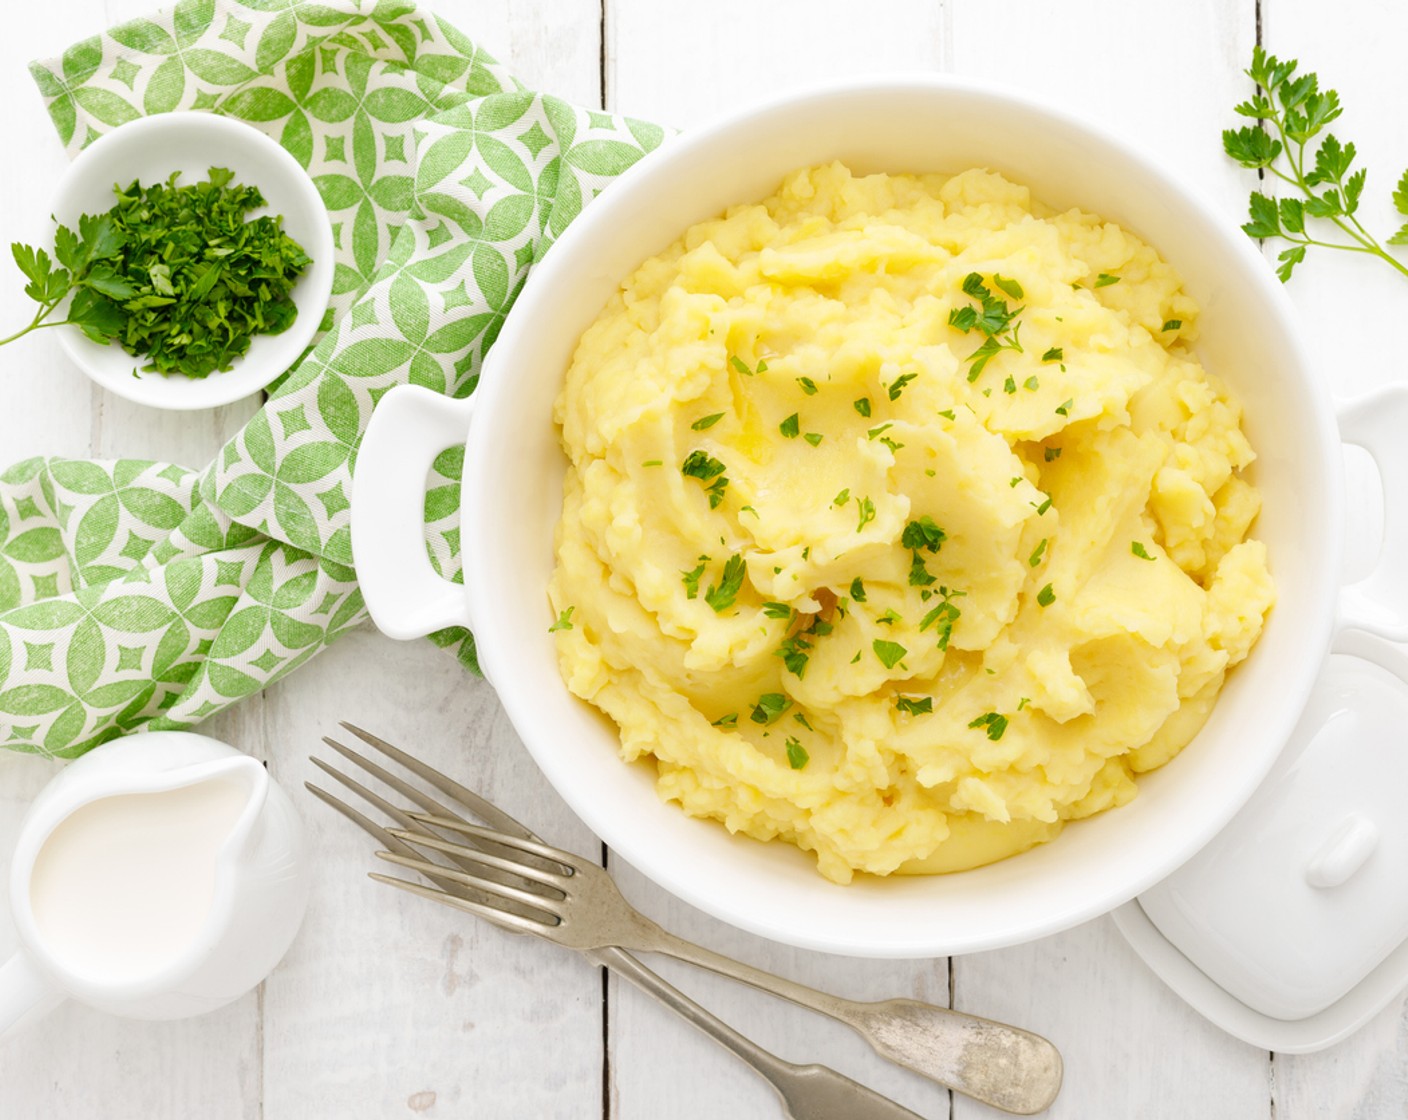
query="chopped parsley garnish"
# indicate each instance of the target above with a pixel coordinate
(924, 534)
(1043, 507)
(1023, 702)
(947, 413)
(706, 422)
(1010, 287)
(176, 274)
(653, 463)
(1014, 482)
(812, 438)
(721, 597)
(770, 705)
(1052, 454)
(777, 610)
(1046, 596)
(1137, 547)
(790, 427)
(564, 621)
(1064, 408)
(1037, 552)
(1010, 385)
(794, 654)
(878, 429)
(889, 653)
(797, 756)
(701, 465)
(842, 498)
(889, 618)
(1031, 383)
(994, 319)
(919, 574)
(856, 657)
(742, 367)
(730, 720)
(896, 386)
(1172, 324)
(915, 707)
(1104, 280)
(858, 590)
(862, 406)
(867, 513)
(808, 386)
(802, 719)
(944, 615)
(995, 724)
(692, 577)
(1055, 354)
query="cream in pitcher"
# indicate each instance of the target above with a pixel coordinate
(159, 876)
(125, 883)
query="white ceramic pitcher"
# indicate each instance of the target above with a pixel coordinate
(260, 878)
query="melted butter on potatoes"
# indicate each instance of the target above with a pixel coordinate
(849, 595)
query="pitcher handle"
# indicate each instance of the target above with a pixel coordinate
(26, 994)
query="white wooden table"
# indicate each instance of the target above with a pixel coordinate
(387, 1006)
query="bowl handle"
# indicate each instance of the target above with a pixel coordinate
(405, 595)
(1378, 603)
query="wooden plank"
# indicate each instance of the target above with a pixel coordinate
(1131, 1047)
(1367, 1074)
(660, 1066)
(681, 64)
(388, 1002)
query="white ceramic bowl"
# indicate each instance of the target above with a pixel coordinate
(511, 500)
(149, 150)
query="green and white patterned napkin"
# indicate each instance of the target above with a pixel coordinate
(143, 595)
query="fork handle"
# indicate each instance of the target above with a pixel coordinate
(1000, 1065)
(810, 1092)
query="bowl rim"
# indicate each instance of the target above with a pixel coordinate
(314, 287)
(614, 206)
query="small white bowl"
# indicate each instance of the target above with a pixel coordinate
(148, 151)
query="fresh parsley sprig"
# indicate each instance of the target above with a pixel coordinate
(993, 319)
(1297, 111)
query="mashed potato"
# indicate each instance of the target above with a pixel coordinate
(901, 522)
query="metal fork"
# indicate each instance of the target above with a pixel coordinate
(508, 876)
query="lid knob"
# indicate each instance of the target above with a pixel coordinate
(1343, 852)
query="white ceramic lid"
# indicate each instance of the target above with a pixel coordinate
(1290, 929)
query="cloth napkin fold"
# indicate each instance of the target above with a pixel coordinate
(140, 595)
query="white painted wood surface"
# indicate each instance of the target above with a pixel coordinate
(390, 1007)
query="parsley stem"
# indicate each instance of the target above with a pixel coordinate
(1367, 242)
(36, 324)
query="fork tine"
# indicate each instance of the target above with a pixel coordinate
(523, 844)
(481, 808)
(499, 917)
(560, 883)
(400, 785)
(395, 843)
(550, 906)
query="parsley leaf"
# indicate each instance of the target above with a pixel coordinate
(692, 577)
(777, 610)
(1046, 596)
(812, 438)
(722, 597)
(1175, 324)
(1137, 547)
(706, 422)
(867, 513)
(1055, 354)
(730, 720)
(564, 621)
(995, 724)
(858, 590)
(862, 406)
(808, 386)
(897, 385)
(915, 707)
(769, 707)
(923, 533)
(889, 653)
(1105, 279)
(797, 756)
(790, 427)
